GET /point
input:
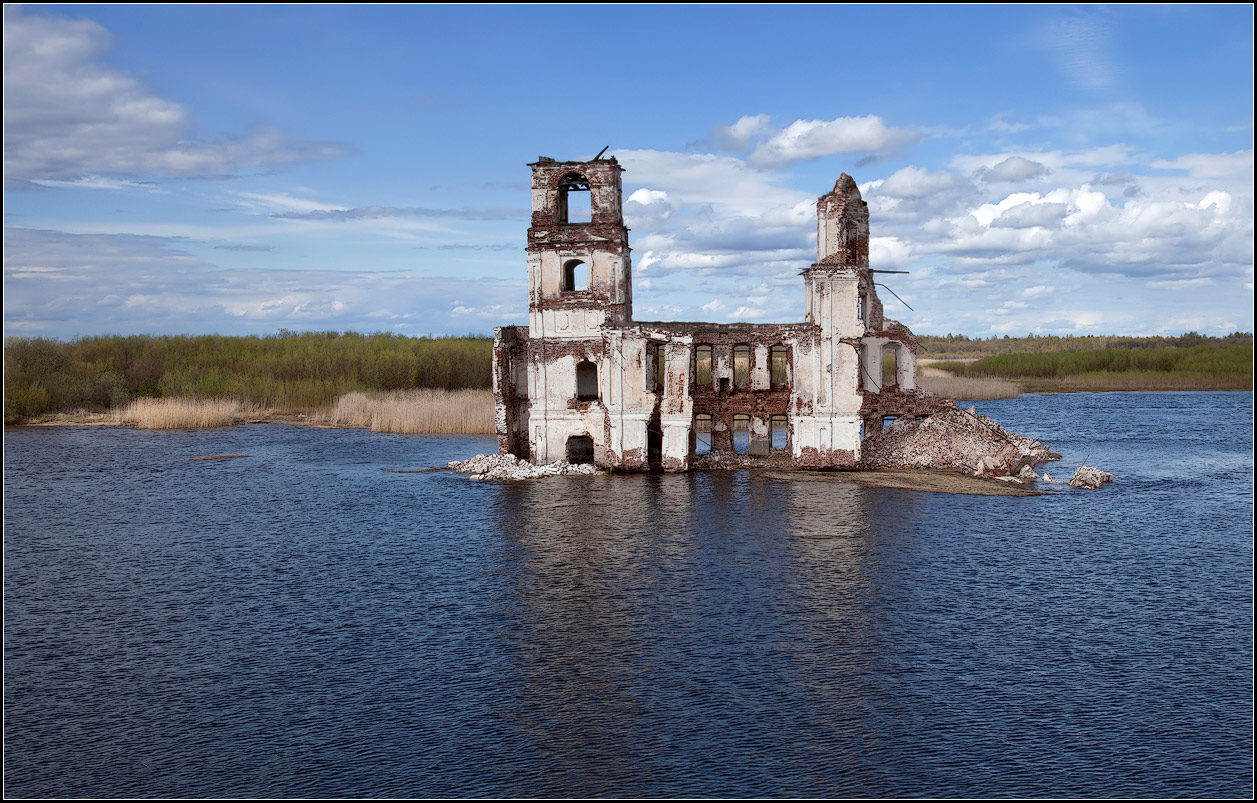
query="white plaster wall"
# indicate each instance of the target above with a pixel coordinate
(628, 433)
(846, 374)
(676, 392)
(566, 324)
(905, 368)
(826, 433)
(676, 438)
(550, 434)
(760, 374)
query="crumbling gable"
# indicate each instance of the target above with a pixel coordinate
(584, 382)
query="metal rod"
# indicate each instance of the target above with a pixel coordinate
(893, 293)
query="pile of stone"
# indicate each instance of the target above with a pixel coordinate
(1089, 478)
(955, 439)
(509, 467)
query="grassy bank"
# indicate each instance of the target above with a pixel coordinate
(182, 413)
(1204, 367)
(413, 412)
(288, 372)
(962, 388)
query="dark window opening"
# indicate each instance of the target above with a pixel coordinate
(654, 447)
(741, 433)
(780, 432)
(741, 366)
(777, 365)
(575, 276)
(586, 381)
(580, 449)
(660, 353)
(702, 434)
(575, 204)
(702, 366)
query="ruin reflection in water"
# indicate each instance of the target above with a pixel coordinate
(300, 623)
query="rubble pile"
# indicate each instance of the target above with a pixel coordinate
(509, 467)
(957, 439)
(1089, 478)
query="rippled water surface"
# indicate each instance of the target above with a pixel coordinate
(299, 623)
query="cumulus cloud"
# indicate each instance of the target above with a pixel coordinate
(1027, 215)
(68, 115)
(811, 139)
(743, 133)
(646, 207)
(1014, 168)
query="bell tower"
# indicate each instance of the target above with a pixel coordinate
(579, 274)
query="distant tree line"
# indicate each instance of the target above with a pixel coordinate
(287, 371)
(1213, 366)
(963, 346)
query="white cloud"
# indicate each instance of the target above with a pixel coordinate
(916, 182)
(67, 114)
(1014, 168)
(741, 134)
(1237, 165)
(811, 139)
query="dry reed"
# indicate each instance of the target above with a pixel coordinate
(417, 412)
(183, 413)
(967, 389)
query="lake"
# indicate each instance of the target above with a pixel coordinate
(301, 623)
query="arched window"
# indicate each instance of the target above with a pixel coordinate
(575, 205)
(586, 381)
(741, 433)
(777, 360)
(702, 433)
(741, 366)
(575, 276)
(702, 366)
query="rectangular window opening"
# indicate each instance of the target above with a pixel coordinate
(702, 434)
(741, 433)
(780, 432)
(702, 366)
(777, 363)
(741, 366)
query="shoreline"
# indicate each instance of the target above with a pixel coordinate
(82, 418)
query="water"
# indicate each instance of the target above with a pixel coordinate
(299, 623)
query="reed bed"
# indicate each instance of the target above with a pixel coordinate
(967, 388)
(417, 412)
(183, 413)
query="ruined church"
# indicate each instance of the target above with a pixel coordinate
(584, 382)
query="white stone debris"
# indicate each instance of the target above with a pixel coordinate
(1089, 478)
(955, 438)
(509, 467)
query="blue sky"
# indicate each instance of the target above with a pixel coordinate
(242, 169)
